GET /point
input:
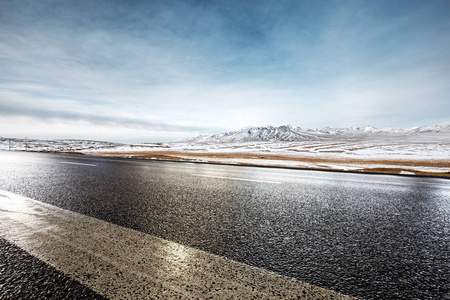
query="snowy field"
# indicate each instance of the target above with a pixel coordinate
(405, 158)
(380, 156)
(353, 150)
(15, 144)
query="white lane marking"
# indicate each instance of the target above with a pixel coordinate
(369, 181)
(235, 178)
(122, 263)
(329, 179)
(382, 182)
(81, 164)
(402, 182)
(362, 180)
(296, 176)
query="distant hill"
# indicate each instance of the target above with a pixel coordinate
(59, 145)
(289, 133)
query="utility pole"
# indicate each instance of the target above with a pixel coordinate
(26, 144)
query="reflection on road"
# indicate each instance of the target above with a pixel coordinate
(125, 264)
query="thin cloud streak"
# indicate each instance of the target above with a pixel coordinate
(45, 114)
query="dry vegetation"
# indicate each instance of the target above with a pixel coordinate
(361, 165)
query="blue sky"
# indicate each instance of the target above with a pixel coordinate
(140, 71)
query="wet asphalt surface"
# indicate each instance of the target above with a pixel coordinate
(370, 236)
(23, 276)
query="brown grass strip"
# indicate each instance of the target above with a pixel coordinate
(320, 162)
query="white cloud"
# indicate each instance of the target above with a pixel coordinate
(203, 73)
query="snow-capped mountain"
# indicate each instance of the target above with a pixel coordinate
(267, 133)
(291, 133)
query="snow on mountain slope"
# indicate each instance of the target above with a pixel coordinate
(289, 133)
(268, 133)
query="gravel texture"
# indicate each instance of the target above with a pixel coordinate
(368, 236)
(122, 263)
(23, 276)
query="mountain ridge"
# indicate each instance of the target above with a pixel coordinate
(290, 133)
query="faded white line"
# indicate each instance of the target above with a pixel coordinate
(403, 182)
(362, 180)
(385, 182)
(81, 164)
(122, 263)
(235, 178)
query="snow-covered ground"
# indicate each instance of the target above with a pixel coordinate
(352, 150)
(356, 156)
(419, 150)
(15, 144)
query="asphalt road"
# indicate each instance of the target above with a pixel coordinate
(371, 236)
